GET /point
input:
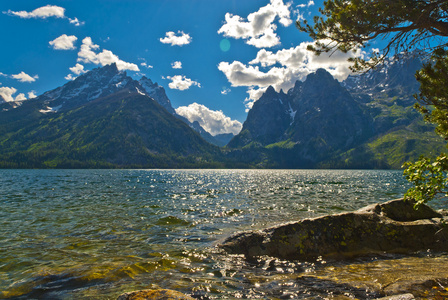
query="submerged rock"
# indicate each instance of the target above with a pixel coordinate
(157, 294)
(393, 226)
(398, 297)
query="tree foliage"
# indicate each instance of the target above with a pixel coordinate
(403, 26)
(433, 96)
(430, 178)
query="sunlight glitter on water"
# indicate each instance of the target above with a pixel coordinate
(75, 233)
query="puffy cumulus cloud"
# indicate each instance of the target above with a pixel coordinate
(64, 42)
(23, 77)
(76, 22)
(6, 94)
(238, 74)
(88, 54)
(70, 77)
(32, 95)
(180, 39)
(179, 82)
(44, 12)
(78, 69)
(176, 65)
(41, 12)
(283, 68)
(214, 122)
(20, 97)
(259, 29)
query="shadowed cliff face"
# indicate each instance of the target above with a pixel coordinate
(328, 119)
(319, 116)
(267, 121)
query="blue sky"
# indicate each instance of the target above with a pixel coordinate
(213, 57)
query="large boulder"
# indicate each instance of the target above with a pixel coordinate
(394, 226)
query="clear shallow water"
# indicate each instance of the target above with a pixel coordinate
(68, 234)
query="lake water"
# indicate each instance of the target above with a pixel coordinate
(72, 234)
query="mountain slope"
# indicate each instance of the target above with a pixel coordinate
(327, 118)
(101, 119)
(367, 121)
(311, 121)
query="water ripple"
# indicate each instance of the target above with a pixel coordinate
(96, 233)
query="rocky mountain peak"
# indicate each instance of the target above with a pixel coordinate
(99, 82)
(296, 88)
(397, 71)
(320, 78)
(147, 81)
(316, 116)
(270, 91)
(157, 93)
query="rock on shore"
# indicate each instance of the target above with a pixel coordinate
(394, 226)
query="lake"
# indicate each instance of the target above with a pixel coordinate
(71, 234)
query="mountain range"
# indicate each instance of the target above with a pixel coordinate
(105, 119)
(366, 121)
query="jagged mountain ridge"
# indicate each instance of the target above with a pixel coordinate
(367, 121)
(312, 119)
(317, 123)
(99, 83)
(101, 119)
(395, 72)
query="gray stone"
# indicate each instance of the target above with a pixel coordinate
(393, 227)
(398, 297)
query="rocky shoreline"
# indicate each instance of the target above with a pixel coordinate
(393, 227)
(390, 227)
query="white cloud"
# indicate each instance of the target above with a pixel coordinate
(176, 65)
(1, 74)
(7, 94)
(259, 29)
(76, 22)
(176, 40)
(32, 95)
(78, 69)
(20, 97)
(106, 57)
(64, 42)
(254, 94)
(225, 91)
(41, 12)
(179, 82)
(310, 3)
(44, 12)
(283, 69)
(23, 77)
(70, 77)
(238, 74)
(143, 64)
(214, 122)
